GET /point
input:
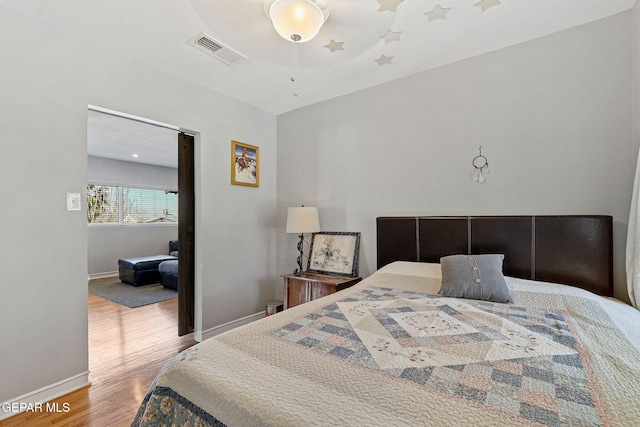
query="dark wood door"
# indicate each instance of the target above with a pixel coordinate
(186, 234)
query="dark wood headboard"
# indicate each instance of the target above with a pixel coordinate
(575, 250)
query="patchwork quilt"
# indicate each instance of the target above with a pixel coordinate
(388, 351)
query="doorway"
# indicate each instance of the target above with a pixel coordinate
(128, 142)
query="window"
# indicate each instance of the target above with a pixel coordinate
(146, 206)
(102, 204)
(125, 205)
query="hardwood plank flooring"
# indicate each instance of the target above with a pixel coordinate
(127, 348)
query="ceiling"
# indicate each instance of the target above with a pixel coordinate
(363, 42)
(119, 138)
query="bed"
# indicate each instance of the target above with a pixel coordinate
(390, 352)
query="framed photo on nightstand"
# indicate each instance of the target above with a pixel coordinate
(334, 253)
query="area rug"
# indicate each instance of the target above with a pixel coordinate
(114, 290)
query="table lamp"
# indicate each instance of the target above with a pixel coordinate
(302, 220)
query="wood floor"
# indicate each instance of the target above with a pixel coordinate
(127, 348)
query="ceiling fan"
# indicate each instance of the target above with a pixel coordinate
(297, 20)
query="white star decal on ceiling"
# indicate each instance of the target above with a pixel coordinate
(391, 36)
(390, 5)
(334, 45)
(486, 4)
(438, 13)
(384, 60)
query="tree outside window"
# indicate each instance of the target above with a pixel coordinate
(126, 205)
(102, 204)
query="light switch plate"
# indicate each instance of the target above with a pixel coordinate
(73, 201)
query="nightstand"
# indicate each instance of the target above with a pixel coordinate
(310, 286)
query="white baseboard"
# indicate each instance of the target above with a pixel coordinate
(103, 275)
(217, 330)
(35, 401)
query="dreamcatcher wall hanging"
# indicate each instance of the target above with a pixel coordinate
(481, 165)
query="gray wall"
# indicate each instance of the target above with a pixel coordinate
(106, 242)
(46, 87)
(117, 172)
(553, 116)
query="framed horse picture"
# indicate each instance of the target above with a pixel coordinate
(245, 164)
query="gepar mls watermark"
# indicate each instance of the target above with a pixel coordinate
(18, 407)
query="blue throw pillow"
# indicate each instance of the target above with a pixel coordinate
(475, 277)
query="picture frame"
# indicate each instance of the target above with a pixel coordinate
(334, 253)
(245, 164)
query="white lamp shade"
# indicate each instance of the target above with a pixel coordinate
(303, 220)
(296, 17)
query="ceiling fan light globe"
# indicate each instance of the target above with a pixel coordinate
(301, 18)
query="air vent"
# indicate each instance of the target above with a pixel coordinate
(210, 46)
